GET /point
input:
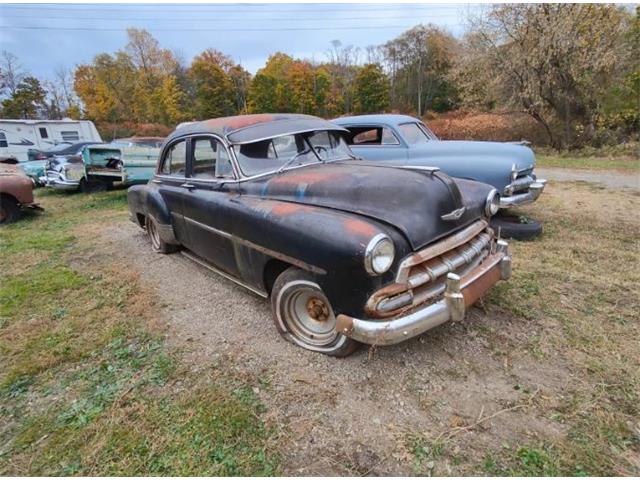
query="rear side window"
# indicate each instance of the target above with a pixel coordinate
(3, 140)
(210, 159)
(373, 136)
(175, 159)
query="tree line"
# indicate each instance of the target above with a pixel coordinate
(574, 68)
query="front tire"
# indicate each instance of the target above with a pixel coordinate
(157, 244)
(303, 315)
(9, 210)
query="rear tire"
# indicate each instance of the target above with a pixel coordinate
(157, 244)
(9, 210)
(511, 226)
(303, 315)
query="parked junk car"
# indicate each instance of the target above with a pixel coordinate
(404, 140)
(63, 168)
(38, 163)
(129, 163)
(16, 193)
(349, 251)
(98, 166)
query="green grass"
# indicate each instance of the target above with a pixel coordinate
(589, 163)
(87, 384)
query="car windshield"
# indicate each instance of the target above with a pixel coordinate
(414, 133)
(290, 151)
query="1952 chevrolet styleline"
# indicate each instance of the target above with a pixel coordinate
(350, 252)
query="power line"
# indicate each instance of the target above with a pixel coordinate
(283, 29)
(200, 19)
(158, 8)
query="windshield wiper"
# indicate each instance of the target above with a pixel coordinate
(291, 160)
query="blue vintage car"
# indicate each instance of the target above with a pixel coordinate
(401, 139)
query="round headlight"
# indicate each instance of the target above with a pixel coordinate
(379, 255)
(492, 204)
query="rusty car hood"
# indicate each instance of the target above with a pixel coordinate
(413, 201)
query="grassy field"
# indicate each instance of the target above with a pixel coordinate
(630, 164)
(87, 383)
(90, 384)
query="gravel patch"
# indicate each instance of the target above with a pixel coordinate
(607, 178)
(352, 415)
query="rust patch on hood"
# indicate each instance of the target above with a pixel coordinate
(359, 228)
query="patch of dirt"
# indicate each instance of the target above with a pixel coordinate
(607, 178)
(354, 415)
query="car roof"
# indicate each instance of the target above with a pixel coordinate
(241, 129)
(382, 118)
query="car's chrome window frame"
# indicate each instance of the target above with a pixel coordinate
(188, 138)
(417, 124)
(190, 158)
(429, 132)
(162, 158)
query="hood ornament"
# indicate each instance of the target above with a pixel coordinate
(454, 215)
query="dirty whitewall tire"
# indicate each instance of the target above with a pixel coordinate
(303, 315)
(9, 210)
(157, 244)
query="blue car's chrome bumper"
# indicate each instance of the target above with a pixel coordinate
(530, 196)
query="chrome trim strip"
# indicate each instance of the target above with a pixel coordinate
(439, 248)
(248, 243)
(207, 265)
(206, 227)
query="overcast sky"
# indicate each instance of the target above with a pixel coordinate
(45, 36)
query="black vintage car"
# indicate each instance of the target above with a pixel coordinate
(349, 252)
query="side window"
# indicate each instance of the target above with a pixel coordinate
(43, 132)
(69, 136)
(210, 159)
(389, 138)
(175, 159)
(373, 136)
(369, 136)
(3, 140)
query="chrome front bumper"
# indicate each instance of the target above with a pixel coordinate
(460, 293)
(535, 189)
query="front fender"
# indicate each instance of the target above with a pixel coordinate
(329, 243)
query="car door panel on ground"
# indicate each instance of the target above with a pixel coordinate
(205, 203)
(377, 143)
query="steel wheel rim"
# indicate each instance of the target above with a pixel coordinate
(309, 316)
(153, 234)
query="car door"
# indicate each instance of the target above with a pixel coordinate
(210, 187)
(377, 143)
(170, 179)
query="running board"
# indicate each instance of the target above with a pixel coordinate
(208, 266)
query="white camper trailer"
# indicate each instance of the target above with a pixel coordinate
(18, 136)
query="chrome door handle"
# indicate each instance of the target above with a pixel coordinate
(188, 186)
(155, 180)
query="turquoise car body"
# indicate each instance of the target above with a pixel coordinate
(34, 169)
(129, 165)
